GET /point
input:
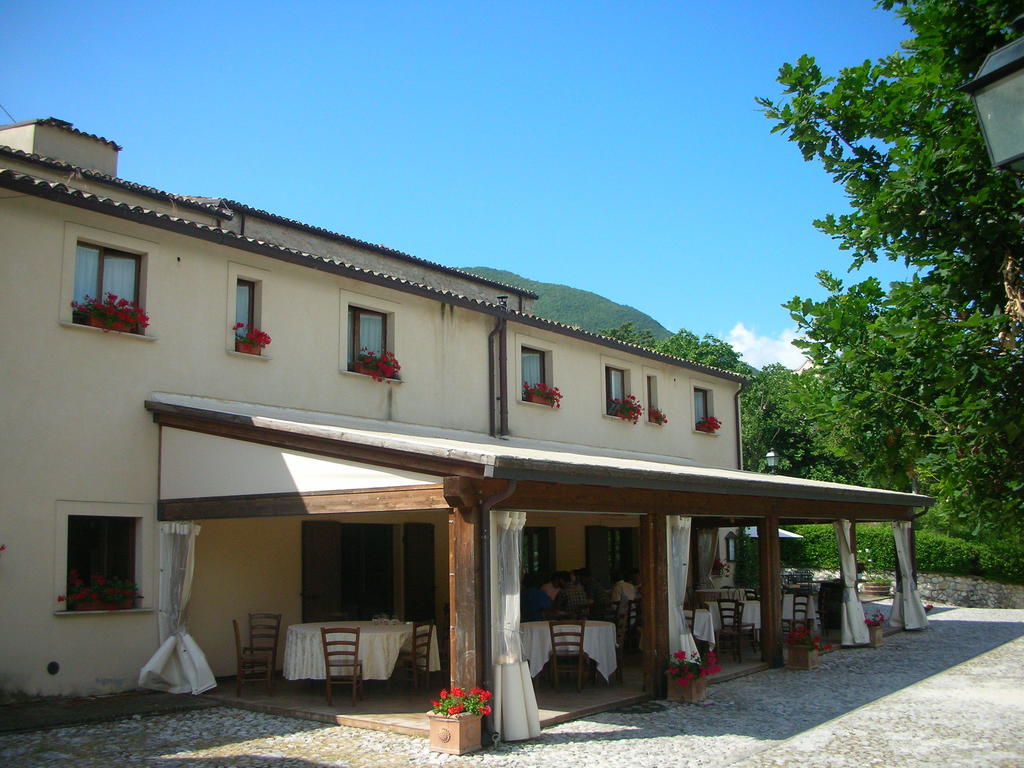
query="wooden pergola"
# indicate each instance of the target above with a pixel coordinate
(475, 479)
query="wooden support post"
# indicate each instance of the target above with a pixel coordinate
(771, 590)
(654, 600)
(464, 596)
(853, 541)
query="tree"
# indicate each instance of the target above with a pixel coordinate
(630, 334)
(709, 350)
(922, 380)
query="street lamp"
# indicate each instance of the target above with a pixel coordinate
(772, 460)
(998, 95)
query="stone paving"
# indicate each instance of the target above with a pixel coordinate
(952, 696)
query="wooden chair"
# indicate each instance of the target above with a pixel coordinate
(750, 594)
(341, 660)
(801, 614)
(634, 622)
(733, 629)
(264, 634)
(253, 664)
(620, 644)
(567, 649)
(415, 662)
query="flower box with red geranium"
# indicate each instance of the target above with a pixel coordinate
(110, 314)
(627, 408)
(803, 648)
(687, 673)
(708, 424)
(455, 720)
(99, 593)
(656, 416)
(378, 366)
(542, 394)
(249, 340)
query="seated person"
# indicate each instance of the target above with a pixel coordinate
(626, 589)
(534, 603)
(555, 584)
(573, 599)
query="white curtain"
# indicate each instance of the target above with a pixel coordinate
(179, 665)
(707, 551)
(516, 716)
(680, 637)
(855, 631)
(907, 609)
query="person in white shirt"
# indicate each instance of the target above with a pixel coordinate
(626, 589)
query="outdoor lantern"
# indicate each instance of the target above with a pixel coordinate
(771, 460)
(998, 94)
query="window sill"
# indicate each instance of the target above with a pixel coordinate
(706, 434)
(368, 377)
(264, 358)
(621, 421)
(654, 423)
(538, 405)
(91, 329)
(103, 613)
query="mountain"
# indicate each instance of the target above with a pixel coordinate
(573, 306)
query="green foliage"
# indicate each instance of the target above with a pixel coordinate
(575, 307)
(936, 553)
(630, 334)
(777, 405)
(922, 381)
(709, 350)
(748, 560)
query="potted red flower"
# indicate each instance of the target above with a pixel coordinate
(110, 314)
(542, 394)
(686, 676)
(455, 720)
(627, 408)
(875, 624)
(656, 416)
(708, 424)
(803, 648)
(249, 340)
(376, 366)
(99, 593)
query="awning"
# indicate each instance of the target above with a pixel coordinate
(434, 452)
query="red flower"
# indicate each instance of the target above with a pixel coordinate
(454, 709)
(485, 710)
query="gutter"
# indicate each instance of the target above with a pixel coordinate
(739, 425)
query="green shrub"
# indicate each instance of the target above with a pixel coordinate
(817, 548)
(1002, 562)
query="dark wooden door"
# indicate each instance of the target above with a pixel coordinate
(597, 558)
(321, 570)
(367, 570)
(418, 562)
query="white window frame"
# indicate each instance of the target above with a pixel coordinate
(257, 276)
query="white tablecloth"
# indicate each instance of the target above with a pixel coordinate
(703, 626)
(598, 644)
(725, 593)
(379, 645)
(752, 612)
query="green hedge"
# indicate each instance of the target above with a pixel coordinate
(935, 553)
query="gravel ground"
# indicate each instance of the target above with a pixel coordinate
(952, 696)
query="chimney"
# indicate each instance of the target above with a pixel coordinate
(60, 140)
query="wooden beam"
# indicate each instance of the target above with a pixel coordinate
(656, 622)
(401, 499)
(648, 600)
(596, 498)
(466, 492)
(465, 595)
(771, 591)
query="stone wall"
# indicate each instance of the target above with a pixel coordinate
(965, 591)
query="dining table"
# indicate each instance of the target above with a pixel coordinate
(752, 612)
(379, 645)
(598, 644)
(702, 625)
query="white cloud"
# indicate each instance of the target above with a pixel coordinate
(760, 351)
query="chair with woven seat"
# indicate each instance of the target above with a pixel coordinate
(733, 629)
(414, 663)
(801, 614)
(567, 650)
(255, 661)
(341, 660)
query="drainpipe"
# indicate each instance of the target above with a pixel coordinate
(485, 578)
(498, 426)
(491, 421)
(739, 426)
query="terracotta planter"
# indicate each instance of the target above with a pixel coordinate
(102, 605)
(454, 735)
(801, 657)
(97, 322)
(876, 635)
(247, 349)
(535, 398)
(692, 692)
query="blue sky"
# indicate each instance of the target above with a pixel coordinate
(611, 146)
